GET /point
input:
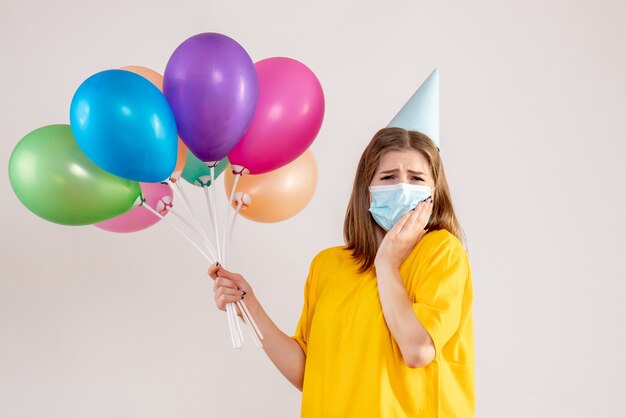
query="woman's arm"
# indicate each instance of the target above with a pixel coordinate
(414, 341)
(285, 352)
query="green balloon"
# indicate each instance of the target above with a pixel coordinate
(197, 173)
(54, 179)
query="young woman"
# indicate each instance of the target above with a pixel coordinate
(386, 328)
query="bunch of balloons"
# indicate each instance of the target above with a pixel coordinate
(133, 133)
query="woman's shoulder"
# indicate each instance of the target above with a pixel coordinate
(331, 255)
(441, 239)
(442, 245)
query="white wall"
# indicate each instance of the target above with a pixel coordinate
(533, 97)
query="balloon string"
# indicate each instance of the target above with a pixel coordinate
(228, 218)
(254, 329)
(229, 237)
(180, 217)
(214, 209)
(180, 194)
(245, 314)
(247, 323)
(231, 326)
(226, 229)
(239, 333)
(183, 201)
(180, 231)
(187, 203)
(212, 217)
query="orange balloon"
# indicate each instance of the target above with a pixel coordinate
(276, 195)
(152, 76)
(157, 79)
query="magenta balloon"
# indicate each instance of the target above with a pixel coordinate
(212, 87)
(158, 196)
(288, 116)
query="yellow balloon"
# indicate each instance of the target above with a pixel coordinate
(276, 195)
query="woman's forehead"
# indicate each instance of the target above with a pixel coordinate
(411, 159)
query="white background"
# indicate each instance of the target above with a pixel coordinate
(533, 100)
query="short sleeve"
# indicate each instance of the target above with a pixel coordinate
(440, 290)
(301, 335)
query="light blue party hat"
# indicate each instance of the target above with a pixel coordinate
(421, 112)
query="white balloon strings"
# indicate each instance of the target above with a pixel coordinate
(254, 329)
(237, 323)
(223, 249)
(214, 209)
(180, 194)
(212, 217)
(180, 231)
(231, 326)
(181, 218)
(229, 237)
(228, 218)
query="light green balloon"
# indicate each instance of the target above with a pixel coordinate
(197, 173)
(54, 179)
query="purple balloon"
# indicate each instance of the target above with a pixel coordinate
(211, 85)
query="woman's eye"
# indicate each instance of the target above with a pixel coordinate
(387, 178)
(418, 178)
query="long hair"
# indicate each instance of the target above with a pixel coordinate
(359, 226)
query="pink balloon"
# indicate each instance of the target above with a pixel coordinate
(158, 196)
(288, 117)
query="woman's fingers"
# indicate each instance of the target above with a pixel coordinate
(222, 299)
(401, 222)
(419, 216)
(222, 272)
(224, 282)
(213, 270)
(228, 286)
(229, 292)
(223, 277)
(427, 213)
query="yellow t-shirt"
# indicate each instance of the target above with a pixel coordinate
(354, 367)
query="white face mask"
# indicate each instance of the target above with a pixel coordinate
(390, 202)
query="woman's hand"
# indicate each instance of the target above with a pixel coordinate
(284, 351)
(231, 287)
(402, 237)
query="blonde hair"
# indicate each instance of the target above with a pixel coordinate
(359, 226)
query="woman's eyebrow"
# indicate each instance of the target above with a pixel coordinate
(395, 170)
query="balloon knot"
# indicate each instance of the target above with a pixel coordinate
(240, 170)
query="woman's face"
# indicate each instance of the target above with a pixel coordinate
(408, 166)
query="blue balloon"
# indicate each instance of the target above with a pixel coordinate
(124, 124)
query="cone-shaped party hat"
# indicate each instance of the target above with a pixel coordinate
(421, 112)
